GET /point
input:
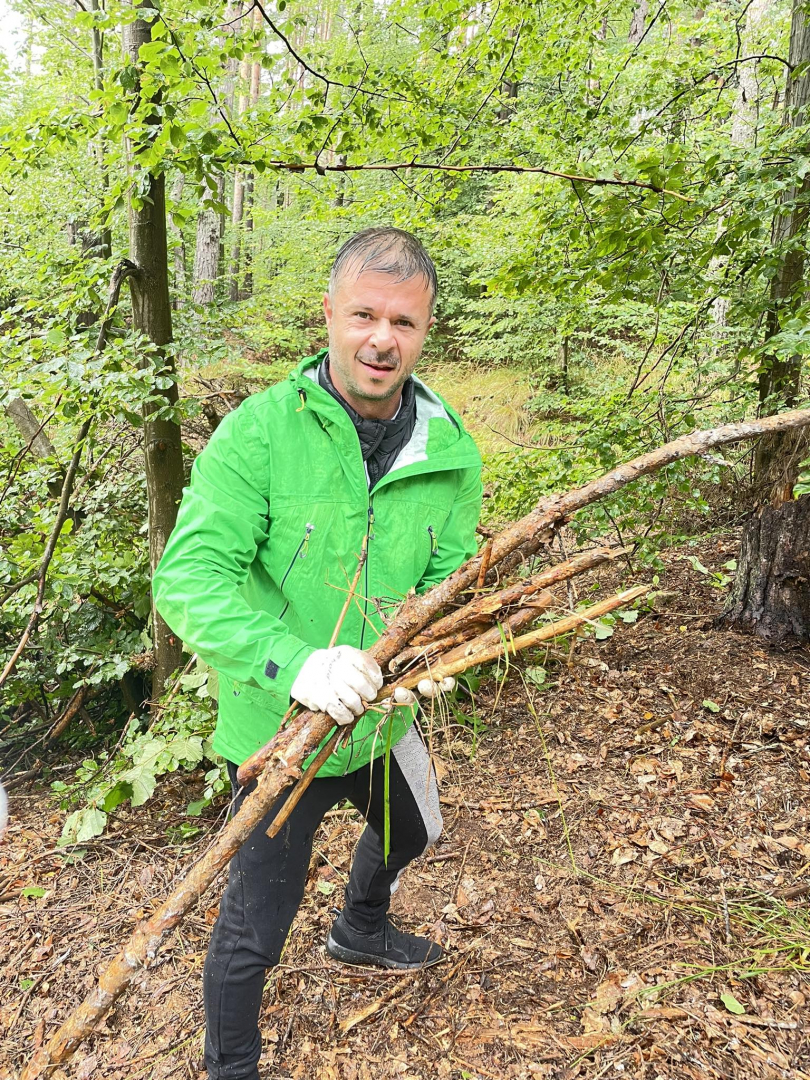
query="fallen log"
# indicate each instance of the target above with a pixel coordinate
(292, 745)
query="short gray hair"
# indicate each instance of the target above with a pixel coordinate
(386, 250)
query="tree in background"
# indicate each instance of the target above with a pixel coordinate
(771, 594)
(152, 316)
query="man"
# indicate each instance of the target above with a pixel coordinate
(352, 450)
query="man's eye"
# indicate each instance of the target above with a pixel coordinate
(405, 322)
(362, 315)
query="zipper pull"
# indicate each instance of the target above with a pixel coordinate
(305, 545)
(370, 522)
(434, 543)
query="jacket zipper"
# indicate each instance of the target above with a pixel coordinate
(300, 553)
(434, 543)
(369, 538)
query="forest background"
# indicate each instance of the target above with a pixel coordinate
(615, 198)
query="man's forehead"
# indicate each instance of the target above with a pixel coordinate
(373, 287)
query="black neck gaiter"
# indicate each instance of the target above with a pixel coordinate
(380, 440)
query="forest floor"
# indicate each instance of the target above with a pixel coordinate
(621, 886)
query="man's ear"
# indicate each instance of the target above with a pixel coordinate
(327, 309)
(432, 321)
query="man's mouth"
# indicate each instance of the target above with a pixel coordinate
(375, 365)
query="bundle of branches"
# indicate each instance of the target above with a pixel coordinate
(411, 648)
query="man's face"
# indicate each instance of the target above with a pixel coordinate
(377, 327)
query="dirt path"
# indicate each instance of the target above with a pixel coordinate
(622, 886)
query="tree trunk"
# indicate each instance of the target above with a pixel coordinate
(743, 129)
(151, 314)
(206, 250)
(770, 592)
(105, 235)
(247, 254)
(179, 241)
(771, 595)
(638, 23)
(250, 76)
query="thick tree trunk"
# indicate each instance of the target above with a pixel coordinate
(777, 536)
(151, 314)
(771, 595)
(206, 251)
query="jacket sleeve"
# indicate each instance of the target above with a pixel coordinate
(223, 519)
(456, 542)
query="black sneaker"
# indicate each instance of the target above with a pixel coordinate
(389, 947)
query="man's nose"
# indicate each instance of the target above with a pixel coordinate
(382, 336)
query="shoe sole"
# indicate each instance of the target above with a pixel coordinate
(360, 959)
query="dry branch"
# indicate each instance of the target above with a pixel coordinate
(483, 607)
(292, 745)
(493, 644)
(511, 621)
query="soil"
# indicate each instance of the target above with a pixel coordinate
(621, 887)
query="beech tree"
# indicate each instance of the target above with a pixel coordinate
(152, 315)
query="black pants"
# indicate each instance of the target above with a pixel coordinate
(266, 881)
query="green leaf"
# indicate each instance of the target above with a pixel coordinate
(117, 795)
(196, 807)
(603, 630)
(732, 1004)
(325, 887)
(628, 616)
(712, 706)
(55, 337)
(537, 675)
(34, 891)
(82, 825)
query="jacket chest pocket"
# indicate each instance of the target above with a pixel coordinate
(300, 553)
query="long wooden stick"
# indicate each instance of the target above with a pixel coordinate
(513, 620)
(485, 648)
(326, 750)
(296, 742)
(487, 606)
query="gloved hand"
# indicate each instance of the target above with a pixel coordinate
(336, 681)
(429, 688)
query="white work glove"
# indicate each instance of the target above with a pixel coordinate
(337, 681)
(429, 688)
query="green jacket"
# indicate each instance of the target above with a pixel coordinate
(257, 568)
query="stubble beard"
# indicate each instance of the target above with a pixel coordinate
(383, 395)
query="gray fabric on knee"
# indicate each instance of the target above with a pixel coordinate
(414, 761)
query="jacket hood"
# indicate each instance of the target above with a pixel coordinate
(438, 435)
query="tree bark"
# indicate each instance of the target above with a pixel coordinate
(638, 23)
(771, 594)
(180, 243)
(743, 126)
(250, 76)
(761, 601)
(206, 249)
(152, 315)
